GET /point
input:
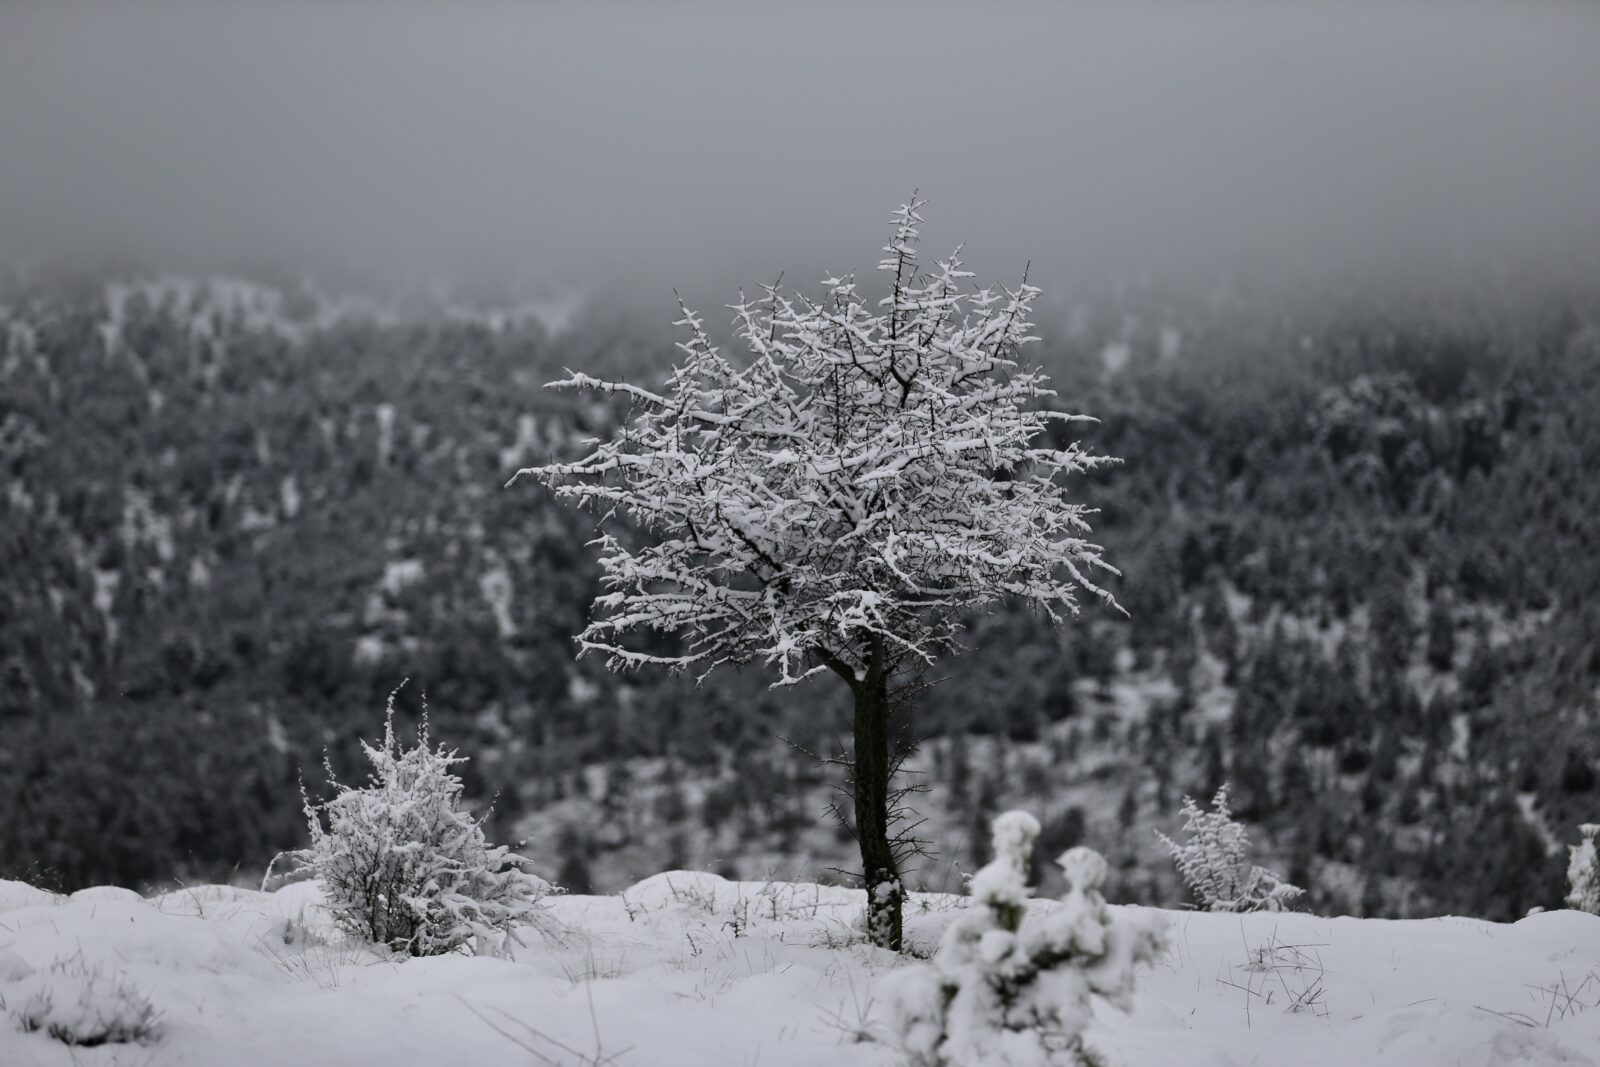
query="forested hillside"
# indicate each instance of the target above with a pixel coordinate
(1362, 576)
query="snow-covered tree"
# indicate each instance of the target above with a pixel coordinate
(1583, 871)
(403, 865)
(1215, 862)
(840, 499)
(1010, 994)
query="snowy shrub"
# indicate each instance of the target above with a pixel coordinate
(1215, 862)
(402, 865)
(998, 992)
(1583, 872)
(80, 1004)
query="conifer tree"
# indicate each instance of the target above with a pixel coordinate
(1583, 871)
(1002, 993)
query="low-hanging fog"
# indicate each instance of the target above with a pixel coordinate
(710, 145)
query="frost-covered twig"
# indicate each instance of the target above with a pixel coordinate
(858, 473)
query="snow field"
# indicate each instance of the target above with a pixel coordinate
(687, 969)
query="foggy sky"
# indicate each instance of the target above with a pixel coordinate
(715, 144)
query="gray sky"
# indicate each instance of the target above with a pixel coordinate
(713, 144)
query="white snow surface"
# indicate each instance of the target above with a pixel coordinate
(690, 969)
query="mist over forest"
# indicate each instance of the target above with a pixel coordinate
(708, 146)
(285, 283)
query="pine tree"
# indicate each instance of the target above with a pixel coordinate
(1441, 636)
(1583, 872)
(1001, 993)
(960, 771)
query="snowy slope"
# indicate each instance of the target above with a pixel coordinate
(689, 969)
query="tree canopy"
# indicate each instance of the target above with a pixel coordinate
(864, 479)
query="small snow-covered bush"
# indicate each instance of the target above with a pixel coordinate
(402, 865)
(998, 992)
(1583, 871)
(1215, 862)
(78, 1003)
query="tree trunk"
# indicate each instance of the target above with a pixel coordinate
(884, 891)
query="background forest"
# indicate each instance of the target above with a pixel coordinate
(1358, 536)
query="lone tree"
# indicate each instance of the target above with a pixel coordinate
(840, 500)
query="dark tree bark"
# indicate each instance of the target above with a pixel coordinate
(870, 772)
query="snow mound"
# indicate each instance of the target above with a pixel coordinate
(75, 1003)
(688, 890)
(202, 900)
(107, 893)
(13, 967)
(1435, 1033)
(710, 894)
(14, 895)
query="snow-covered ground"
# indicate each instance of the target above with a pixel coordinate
(689, 969)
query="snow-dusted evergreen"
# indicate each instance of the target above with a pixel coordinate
(403, 865)
(1002, 992)
(1215, 862)
(1583, 871)
(840, 498)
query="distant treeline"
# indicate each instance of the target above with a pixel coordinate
(1358, 541)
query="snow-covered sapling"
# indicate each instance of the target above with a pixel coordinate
(403, 865)
(1215, 862)
(839, 500)
(1002, 992)
(1583, 871)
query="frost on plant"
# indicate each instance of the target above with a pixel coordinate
(1002, 992)
(858, 474)
(1583, 871)
(1215, 862)
(841, 497)
(402, 865)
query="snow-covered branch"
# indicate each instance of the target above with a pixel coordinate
(864, 473)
